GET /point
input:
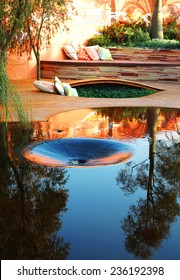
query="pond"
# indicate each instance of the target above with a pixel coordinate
(117, 210)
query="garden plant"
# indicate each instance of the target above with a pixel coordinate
(136, 33)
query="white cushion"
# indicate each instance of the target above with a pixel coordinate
(66, 87)
(44, 86)
(58, 86)
(72, 92)
(70, 52)
(69, 91)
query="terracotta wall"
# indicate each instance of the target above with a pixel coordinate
(92, 14)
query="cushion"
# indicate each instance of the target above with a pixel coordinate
(69, 91)
(74, 91)
(70, 52)
(66, 87)
(93, 53)
(58, 86)
(75, 45)
(82, 54)
(104, 54)
(45, 86)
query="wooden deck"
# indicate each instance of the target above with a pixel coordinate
(43, 105)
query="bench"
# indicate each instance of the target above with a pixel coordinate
(153, 65)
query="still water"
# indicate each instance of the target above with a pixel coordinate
(123, 210)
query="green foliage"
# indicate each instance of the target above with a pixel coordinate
(131, 33)
(9, 95)
(135, 37)
(12, 15)
(112, 91)
(171, 28)
(20, 109)
(4, 88)
(100, 40)
(160, 44)
(122, 33)
(44, 20)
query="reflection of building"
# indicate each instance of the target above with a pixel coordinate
(94, 123)
(97, 123)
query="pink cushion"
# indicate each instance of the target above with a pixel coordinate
(92, 51)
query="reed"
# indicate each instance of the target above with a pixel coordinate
(9, 95)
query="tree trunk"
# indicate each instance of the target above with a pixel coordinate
(113, 11)
(152, 126)
(38, 68)
(157, 21)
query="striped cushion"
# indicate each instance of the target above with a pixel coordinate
(92, 51)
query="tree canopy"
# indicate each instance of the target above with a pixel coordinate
(42, 23)
(12, 15)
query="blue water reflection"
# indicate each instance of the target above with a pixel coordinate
(78, 152)
(120, 211)
(97, 208)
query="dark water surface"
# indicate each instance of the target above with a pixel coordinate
(119, 210)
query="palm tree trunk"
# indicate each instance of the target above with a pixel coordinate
(113, 10)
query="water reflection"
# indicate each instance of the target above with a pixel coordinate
(32, 200)
(57, 213)
(78, 152)
(148, 221)
(117, 122)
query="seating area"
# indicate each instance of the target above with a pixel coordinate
(128, 64)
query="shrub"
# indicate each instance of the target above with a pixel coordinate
(135, 37)
(124, 33)
(133, 33)
(160, 44)
(100, 40)
(170, 28)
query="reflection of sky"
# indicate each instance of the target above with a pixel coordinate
(96, 208)
(97, 205)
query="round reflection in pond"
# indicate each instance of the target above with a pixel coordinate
(78, 152)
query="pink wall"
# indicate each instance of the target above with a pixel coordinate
(91, 15)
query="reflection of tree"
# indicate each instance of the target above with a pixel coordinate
(121, 115)
(32, 200)
(149, 221)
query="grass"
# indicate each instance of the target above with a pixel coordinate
(112, 91)
(9, 95)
